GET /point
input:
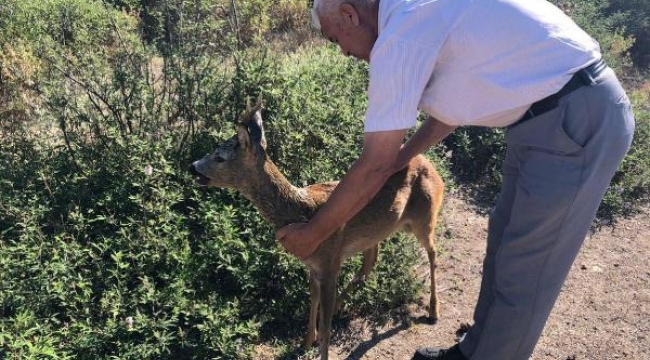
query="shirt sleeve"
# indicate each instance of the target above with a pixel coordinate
(399, 73)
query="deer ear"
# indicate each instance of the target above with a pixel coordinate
(256, 129)
(259, 105)
(243, 136)
(250, 130)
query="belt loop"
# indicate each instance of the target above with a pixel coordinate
(530, 113)
(587, 77)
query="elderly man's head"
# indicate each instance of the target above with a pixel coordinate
(352, 24)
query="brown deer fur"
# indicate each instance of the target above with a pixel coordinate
(409, 200)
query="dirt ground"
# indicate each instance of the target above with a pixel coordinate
(603, 311)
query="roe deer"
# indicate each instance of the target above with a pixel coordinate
(409, 200)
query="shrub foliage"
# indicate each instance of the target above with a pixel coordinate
(108, 251)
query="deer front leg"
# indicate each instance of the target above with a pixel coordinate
(314, 294)
(327, 303)
(369, 261)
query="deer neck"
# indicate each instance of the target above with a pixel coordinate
(279, 202)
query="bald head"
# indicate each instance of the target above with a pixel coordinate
(330, 9)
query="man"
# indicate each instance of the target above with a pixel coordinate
(520, 64)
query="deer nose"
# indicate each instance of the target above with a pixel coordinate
(193, 170)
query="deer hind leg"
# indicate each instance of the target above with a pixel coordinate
(369, 261)
(425, 233)
(314, 294)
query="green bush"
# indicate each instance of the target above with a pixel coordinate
(634, 18)
(104, 265)
(108, 250)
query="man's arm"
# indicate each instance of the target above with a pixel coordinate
(381, 157)
(359, 185)
(431, 132)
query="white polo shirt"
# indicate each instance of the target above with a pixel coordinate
(470, 62)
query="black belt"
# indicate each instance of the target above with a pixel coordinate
(584, 76)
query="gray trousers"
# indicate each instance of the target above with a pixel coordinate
(557, 168)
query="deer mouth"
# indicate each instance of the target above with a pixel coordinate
(199, 178)
(202, 180)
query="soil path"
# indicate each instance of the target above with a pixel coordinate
(603, 312)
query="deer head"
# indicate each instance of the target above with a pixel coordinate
(233, 162)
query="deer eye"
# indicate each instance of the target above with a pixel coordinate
(219, 159)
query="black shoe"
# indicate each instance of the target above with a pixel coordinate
(453, 353)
